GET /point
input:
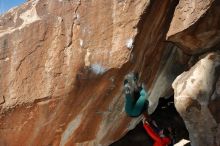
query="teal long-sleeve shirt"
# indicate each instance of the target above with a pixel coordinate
(135, 107)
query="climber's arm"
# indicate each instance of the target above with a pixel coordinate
(166, 140)
(129, 104)
(151, 132)
(139, 106)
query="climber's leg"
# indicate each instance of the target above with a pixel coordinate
(141, 104)
(129, 104)
(133, 108)
(129, 97)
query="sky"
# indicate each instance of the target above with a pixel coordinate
(7, 4)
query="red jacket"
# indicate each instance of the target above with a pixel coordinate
(159, 141)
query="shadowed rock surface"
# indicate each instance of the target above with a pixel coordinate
(165, 116)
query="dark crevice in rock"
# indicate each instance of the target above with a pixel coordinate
(135, 137)
(151, 38)
(165, 116)
(214, 109)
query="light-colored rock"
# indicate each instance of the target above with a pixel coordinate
(196, 25)
(183, 142)
(194, 92)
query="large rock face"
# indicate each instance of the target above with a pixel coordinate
(60, 83)
(62, 64)
(195, 25)
(195, 28)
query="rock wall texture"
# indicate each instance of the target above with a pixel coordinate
(198, 102)
(195, 25)
(62, 65)
(195, 28)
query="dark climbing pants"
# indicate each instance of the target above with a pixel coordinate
(135, 107)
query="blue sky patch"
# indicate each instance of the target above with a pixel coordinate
(5, 5)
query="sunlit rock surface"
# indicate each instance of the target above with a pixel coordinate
(60, 82)
(196, 25)
(197, 100)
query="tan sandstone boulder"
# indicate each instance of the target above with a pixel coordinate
(196, 25)
(197, 100)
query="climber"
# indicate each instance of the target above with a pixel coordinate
(161, 139)
(136, 101)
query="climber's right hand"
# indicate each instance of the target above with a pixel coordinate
(144, 120)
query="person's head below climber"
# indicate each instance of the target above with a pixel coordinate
(164, 132)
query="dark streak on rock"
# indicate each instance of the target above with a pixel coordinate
(192, 80)
(212, 57)
(214, 109)
(193, 103)
(42, 99)
(3, 100)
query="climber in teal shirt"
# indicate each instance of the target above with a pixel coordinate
(136, 98)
